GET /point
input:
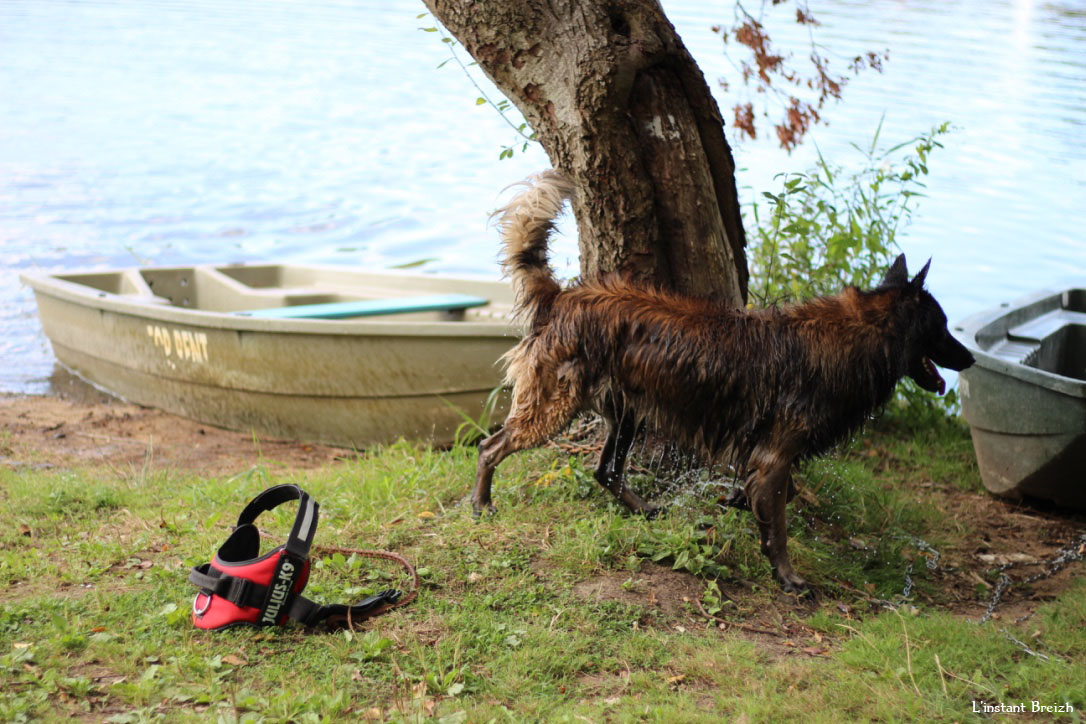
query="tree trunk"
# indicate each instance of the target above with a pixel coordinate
(620, 106)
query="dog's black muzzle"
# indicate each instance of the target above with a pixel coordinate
(948, 353)
(952, 354)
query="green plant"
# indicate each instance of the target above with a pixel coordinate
(372, 646)
(350, 577)
(525, 135)
(713, 598)
(473, 429)
(918, 409)
(696, 547)
(826, 228)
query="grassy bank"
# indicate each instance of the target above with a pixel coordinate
(561, 607)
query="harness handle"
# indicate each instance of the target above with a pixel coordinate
(305, 521)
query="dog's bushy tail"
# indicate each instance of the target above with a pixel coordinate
(525, 225)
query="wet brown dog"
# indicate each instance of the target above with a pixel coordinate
(762, 389)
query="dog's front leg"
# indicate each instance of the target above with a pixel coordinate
(611, 470)
(767, 491)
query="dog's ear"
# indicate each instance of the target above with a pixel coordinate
(897, 275)
(918, 280)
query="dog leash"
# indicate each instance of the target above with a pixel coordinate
(387, 555)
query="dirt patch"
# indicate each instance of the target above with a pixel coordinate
(96, 673)
(45, 432)
(670, 600)
(1021, 538)
(656, 588)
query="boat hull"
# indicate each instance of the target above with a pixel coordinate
(345, 383)
(1028, 421)
(1019, 452)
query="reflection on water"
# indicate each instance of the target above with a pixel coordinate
(168, 133)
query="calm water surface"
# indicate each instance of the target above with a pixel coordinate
(159, 132)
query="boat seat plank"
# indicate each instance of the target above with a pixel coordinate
(370, 307)
(1046, 325)
(1014, 352)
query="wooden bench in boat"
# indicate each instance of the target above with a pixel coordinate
(370, 307)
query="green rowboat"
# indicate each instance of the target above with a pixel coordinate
(1025, 398)
(316, 353)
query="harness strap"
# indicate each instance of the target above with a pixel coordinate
(309, 613)
(388, 556)
(238, 591)
(245, 593)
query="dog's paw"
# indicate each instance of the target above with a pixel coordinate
(737, 499)
(652, 512)
(794, 584)
(478, 510)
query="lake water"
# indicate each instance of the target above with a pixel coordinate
(163, 132)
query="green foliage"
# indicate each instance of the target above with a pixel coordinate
(474, 429)
(349, 578)
(918, 409)
(695, 547)
(830, 228)
(713, 598)
(371, 647)
(525, 136)
(827, 228)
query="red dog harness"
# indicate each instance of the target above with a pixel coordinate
(242, 587)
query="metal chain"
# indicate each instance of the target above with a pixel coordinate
(1025, 647)
(1069, 554)
(908, 590)
(933, 562)
(1074, 552)
(997, 594)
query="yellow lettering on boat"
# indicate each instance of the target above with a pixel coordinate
(163, 339)
(180, 343)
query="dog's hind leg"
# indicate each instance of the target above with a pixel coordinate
(539, 411)
(611, 470)
(767, 490)
(492, 451)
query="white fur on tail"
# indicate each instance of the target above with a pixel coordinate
(525, 225)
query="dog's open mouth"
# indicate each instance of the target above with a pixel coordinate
(927, 376)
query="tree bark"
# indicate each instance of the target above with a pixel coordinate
(621, 107)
